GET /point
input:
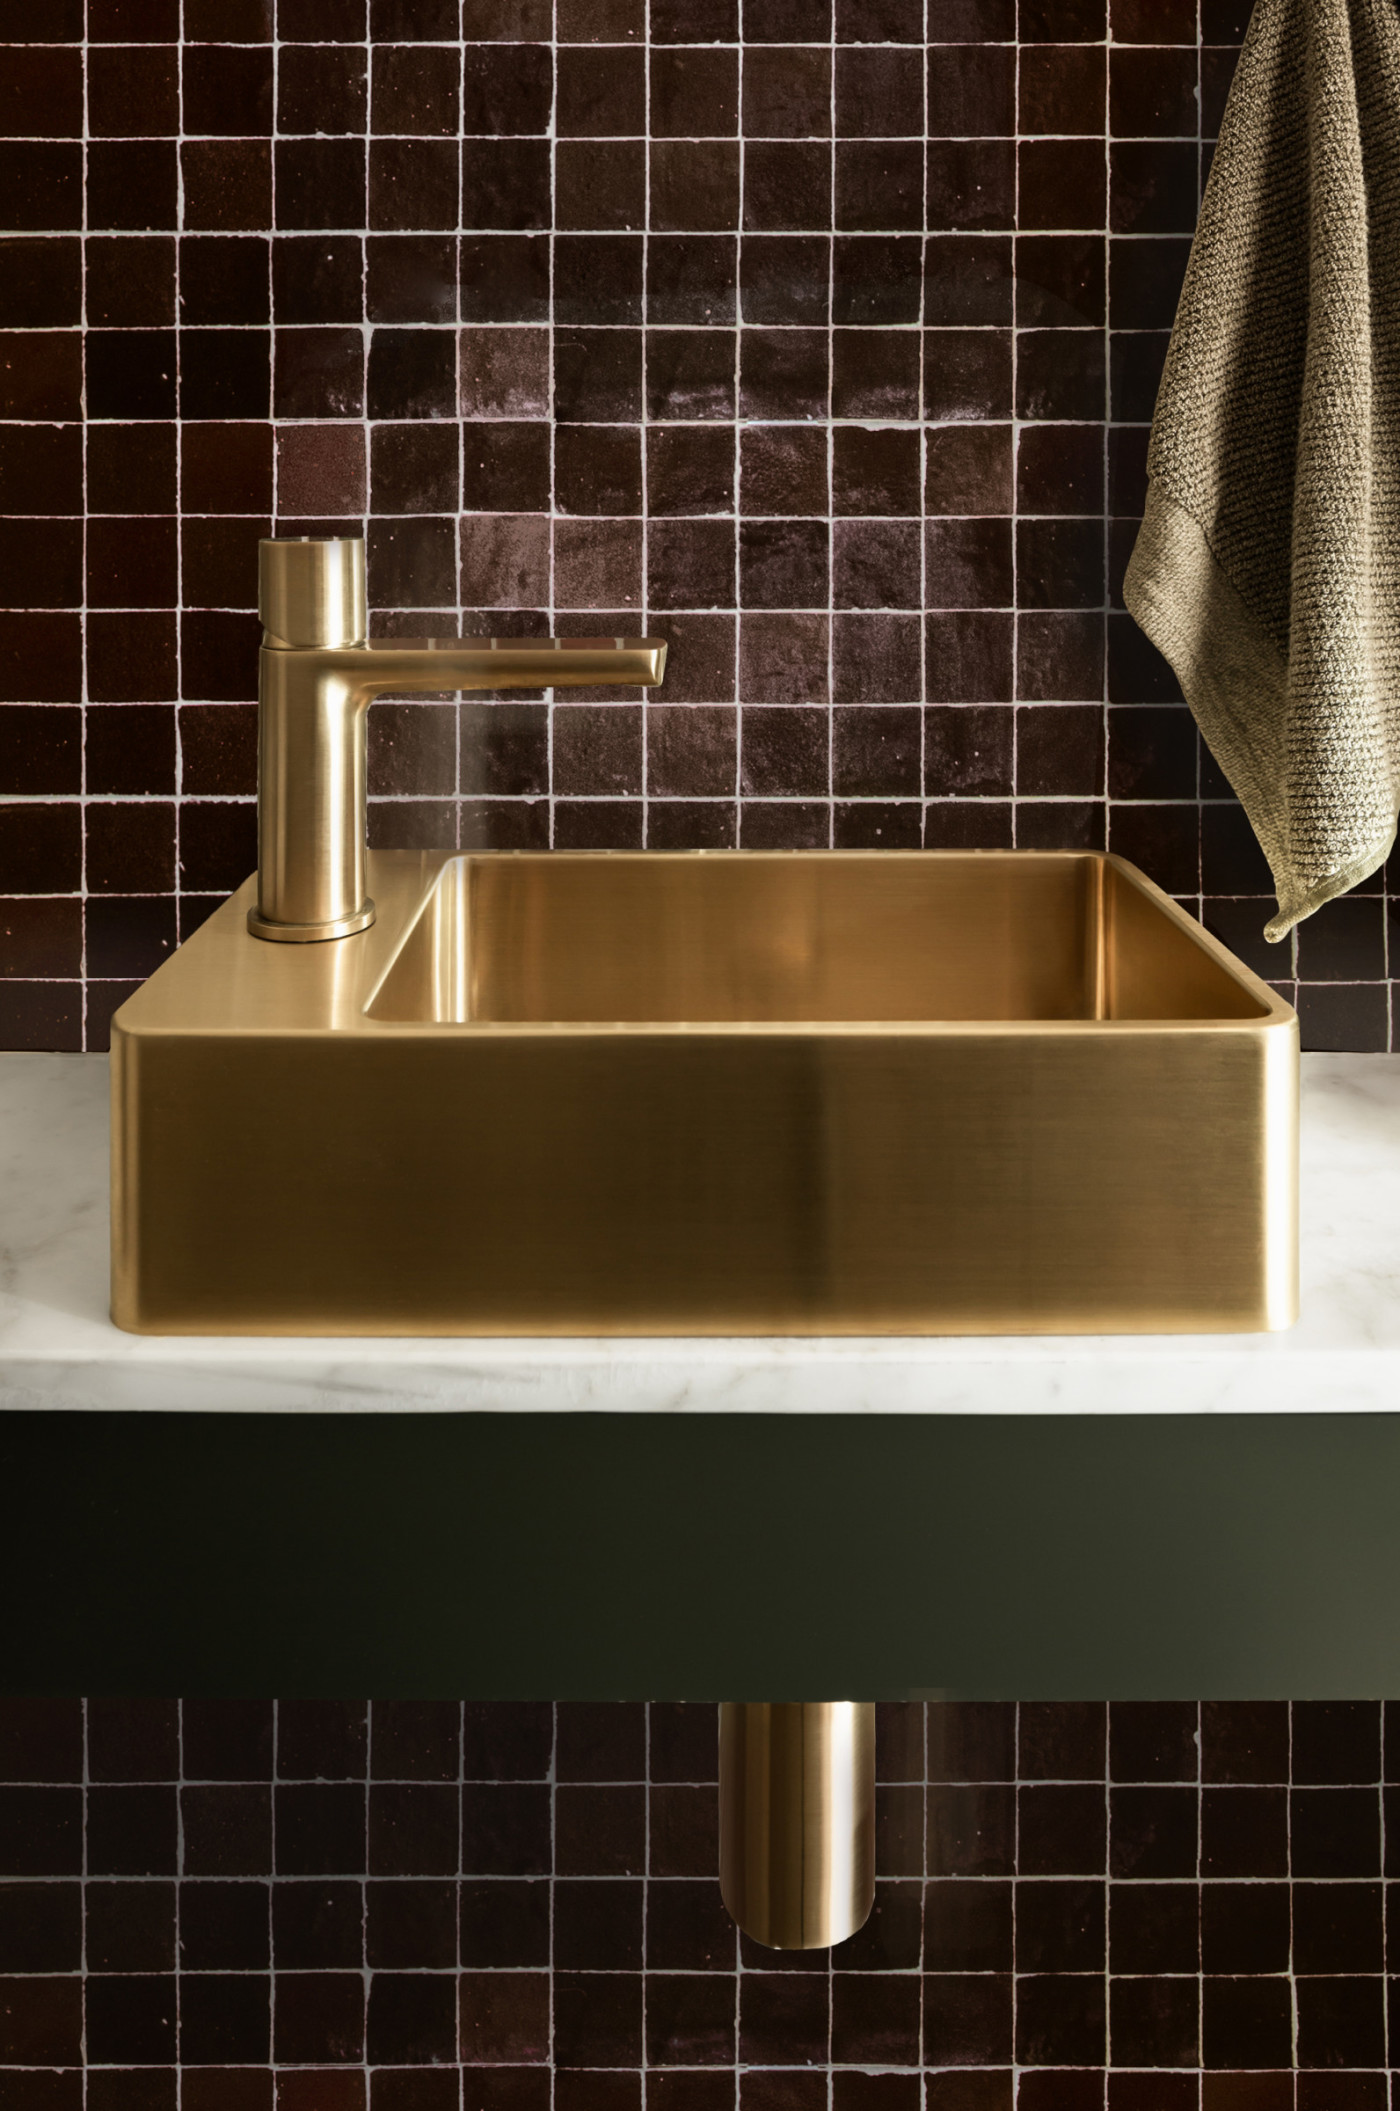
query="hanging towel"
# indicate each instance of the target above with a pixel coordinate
(1267, 568)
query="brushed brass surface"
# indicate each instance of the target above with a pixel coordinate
(311, 590)
(797, 1819)
(317, 676)
(710, 1093)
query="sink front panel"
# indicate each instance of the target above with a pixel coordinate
(964, 1183)
(828, 1094)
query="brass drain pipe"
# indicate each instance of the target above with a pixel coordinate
(797, 1819)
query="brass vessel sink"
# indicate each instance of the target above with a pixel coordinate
(711, 1093)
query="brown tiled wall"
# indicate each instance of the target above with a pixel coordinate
(323, 1906)
(818, 336)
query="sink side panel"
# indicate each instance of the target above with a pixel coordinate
(1155, 965)
(436, 1183)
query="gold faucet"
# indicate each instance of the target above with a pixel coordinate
(318, 675)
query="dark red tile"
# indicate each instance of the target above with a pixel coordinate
(227, 1830)
(967, 2020)
(971, 1830)
(41, 1740)
(41, 1927)
(1060, 1927)
(875, 279)
(130, 1927)
(1152, 91)
(320, 2017)
(1063, 185)
(690, 374)
(690, 2020)
(131, 1831)
(130, 282)
(321, 2089)
(321, 1740)
(1154, 1928)
(1061, 1831)
(784, 753)
(875, 564)
(501, 1924)
(319, 183)
(40, 848)
(41, 469)
(131, 2089)
(41, 374)
(1334, 1832)
(598, 2021)
(973, 2089)
(971, 184)
(227, 1740)
(783, 374)
(684, 1831)
(225, 1927)
(42, 288)
(968, 657)
(41, 1015)
(1246, 2023)
(782, 563)
(129, 848)
(677, 824)
(599, 1831)
(1344, 1016)
(42, 2022)
(320, 1926)
(411, 2018)
(43, 183)
(968, 750)
(132, 2020)
(575, 2089)
(1060, 2020)
(875, 659)
(1153, 2022)
(601, 1741)
(783, 2017)
(971, 89)
(784, 278)
(416, 1740)
(1146, 283)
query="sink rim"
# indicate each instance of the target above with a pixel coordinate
(223, 982)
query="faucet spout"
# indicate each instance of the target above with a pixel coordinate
(318, 675)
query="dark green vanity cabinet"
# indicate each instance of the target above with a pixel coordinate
(665, 1555)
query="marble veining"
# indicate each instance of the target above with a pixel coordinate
(58, 1348)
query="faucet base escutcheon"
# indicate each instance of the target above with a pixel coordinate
(308, 934)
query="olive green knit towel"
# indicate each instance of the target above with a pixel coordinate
(1267, 568)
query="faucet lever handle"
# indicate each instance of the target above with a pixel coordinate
(311, 590)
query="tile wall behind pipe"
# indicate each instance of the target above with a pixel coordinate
(324, 1906)
(817, 336)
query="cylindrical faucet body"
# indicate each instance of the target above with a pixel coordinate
(311, 590)
(318, 675)
(311, 799)
(797, 1819)
(311, 745)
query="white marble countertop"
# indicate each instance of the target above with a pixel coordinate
(59, 1349)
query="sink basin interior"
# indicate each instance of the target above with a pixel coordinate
(748, 937)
